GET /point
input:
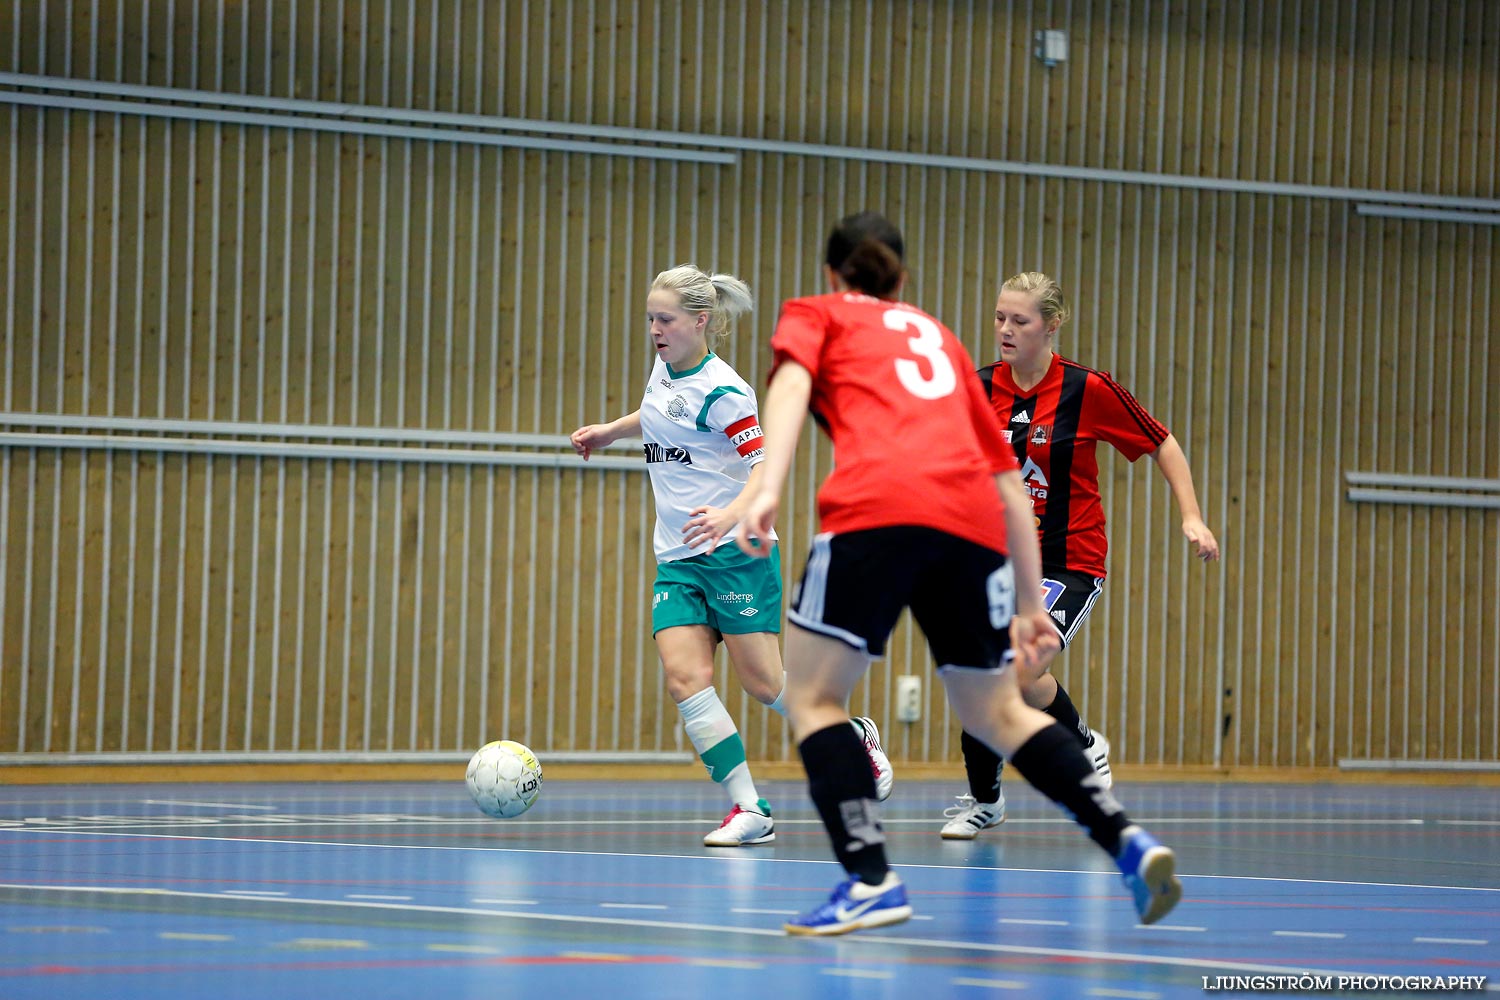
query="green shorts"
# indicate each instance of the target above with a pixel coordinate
(725, 590)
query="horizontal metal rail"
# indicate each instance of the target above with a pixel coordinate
(289, 109)
(362, 128)
(337, 757)
(332, 432)
(1428, 214)
(1401, 479)
(1422, 491)
(294, 449)
(1420, 498)
(1353, 764)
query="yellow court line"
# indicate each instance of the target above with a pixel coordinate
(313, 944)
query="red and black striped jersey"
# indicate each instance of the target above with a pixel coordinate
(1054, 428)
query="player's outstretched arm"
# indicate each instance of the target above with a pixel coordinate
(781, 423)
(1174, 467)
(590, 437)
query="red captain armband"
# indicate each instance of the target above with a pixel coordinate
(745, 435)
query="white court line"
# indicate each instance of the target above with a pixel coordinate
(744, 909)
(1433, 940)
(1157, 820)
(1171, 927)
(192, 936)
(1309, 934)
(359, 819)
(1467, 822)
(994, 984)
(1037, 923)
(1104, 991)
(205, 805)
(871, 941)
(506, 902)
(735, 859)
(769, 913)
(96, 824)
(859, 973)
(360, 895)
(1161, 820)
(252, 892)
(632, 906)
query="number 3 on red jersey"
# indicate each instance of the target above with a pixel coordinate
(926, 343)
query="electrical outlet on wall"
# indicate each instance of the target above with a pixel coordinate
(908, 698)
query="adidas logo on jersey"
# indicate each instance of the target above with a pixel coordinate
(1061, 616)
(1024, 417)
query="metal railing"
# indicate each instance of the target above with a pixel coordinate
(1423, 491)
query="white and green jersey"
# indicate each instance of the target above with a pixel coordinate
(702, 438)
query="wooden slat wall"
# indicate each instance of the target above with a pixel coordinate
(157, 269)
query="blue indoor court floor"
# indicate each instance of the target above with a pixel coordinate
(327, 891)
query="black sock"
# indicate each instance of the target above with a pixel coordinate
(842, 786)
(983, 765)
(1064, 711)
(1055, 765)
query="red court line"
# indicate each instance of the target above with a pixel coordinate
(345, 964)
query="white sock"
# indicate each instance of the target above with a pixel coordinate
(719, 746)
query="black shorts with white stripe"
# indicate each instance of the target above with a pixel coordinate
(1069, 596)
(856, 584)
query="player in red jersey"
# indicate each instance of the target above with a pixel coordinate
(912, 516)
(1054, 413)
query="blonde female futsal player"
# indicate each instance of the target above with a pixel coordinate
(702, 448)
(1055, 412)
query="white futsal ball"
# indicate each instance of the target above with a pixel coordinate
(504, 778)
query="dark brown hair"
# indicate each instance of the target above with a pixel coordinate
(866, 250)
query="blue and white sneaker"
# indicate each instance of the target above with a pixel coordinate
(854, 906)
(1150, 872)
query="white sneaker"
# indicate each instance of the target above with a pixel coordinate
(744, 827)
(969, 816)
(885, 777)
(1098, 755)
